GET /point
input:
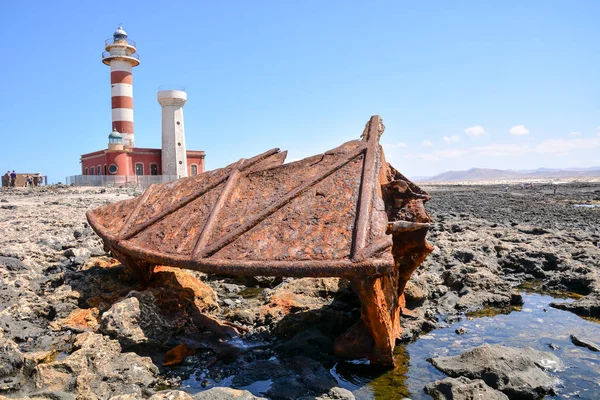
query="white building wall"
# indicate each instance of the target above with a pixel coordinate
(173, 160)
(120, 65)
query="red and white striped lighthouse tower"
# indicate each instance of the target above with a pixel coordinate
(121, 56)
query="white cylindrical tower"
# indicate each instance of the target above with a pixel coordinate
(121, 56)
(174, 155)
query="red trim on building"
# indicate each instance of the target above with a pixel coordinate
(122, 102)
(123, 126)
(125, 160)
(93, 154)
(121, 77)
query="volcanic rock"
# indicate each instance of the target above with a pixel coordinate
(97, 370)
(11, 363)
(588, 306)
(171, 395)
(462, 388)
(136, 320)
(224, 393)
(585, 343)
(517, 372)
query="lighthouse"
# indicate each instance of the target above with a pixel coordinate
(121, 57)
(121, 162)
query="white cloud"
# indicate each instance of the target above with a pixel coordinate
(551, 146)
(398, 145)
(438, 155)
(451, 139)
(574, 133)
(562, 146)
(518, 130)
(500, 149)
(476, 131)
(427, 143)
(598, 134)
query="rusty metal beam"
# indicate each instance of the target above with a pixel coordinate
(372, 132)
(136, 210)
(308, 268)
(375, 248)
(276, 205)
(188, 199)
(214, 213)
(405, 226)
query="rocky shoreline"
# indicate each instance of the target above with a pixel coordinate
(75, 324)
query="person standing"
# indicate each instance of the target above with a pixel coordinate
(13, 179)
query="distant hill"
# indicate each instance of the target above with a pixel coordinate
(487, 174)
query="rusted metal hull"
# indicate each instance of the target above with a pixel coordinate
(345, 213)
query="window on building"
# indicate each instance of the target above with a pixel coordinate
(98, 170)
(112, 168)
(92, 171)
(194, 169)
(153, 169)
(139, 169)
(86, 171)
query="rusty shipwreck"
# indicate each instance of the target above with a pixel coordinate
(346, 213)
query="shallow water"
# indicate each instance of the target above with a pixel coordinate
(536, 325)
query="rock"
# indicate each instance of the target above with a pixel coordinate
(97, 370)
(414, 292)
(337, 393)
(518, 372)
(177, 285)
(12, 264)
(136, 321)
(52, 395)
(312, 374)
(462, 388)
(177, 355)
(585, 343)
(101, 282)
(80, 320)
(79, 255)
(477, 287)
(310, 342)
(286, 388)
(224, 393)
(11, 363)
(460, 331)
(588, 306)
(309, 378)
(171, 395)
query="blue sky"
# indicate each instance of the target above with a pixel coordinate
(451, 80)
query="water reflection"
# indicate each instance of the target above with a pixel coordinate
(369, 381)
(535, 325)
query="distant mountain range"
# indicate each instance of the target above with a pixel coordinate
(487, 174)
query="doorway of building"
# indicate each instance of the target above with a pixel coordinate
(153, 169)
(139, 169)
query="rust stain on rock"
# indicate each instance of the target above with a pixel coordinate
(177, 355)
(346, 213)
(80, 320)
